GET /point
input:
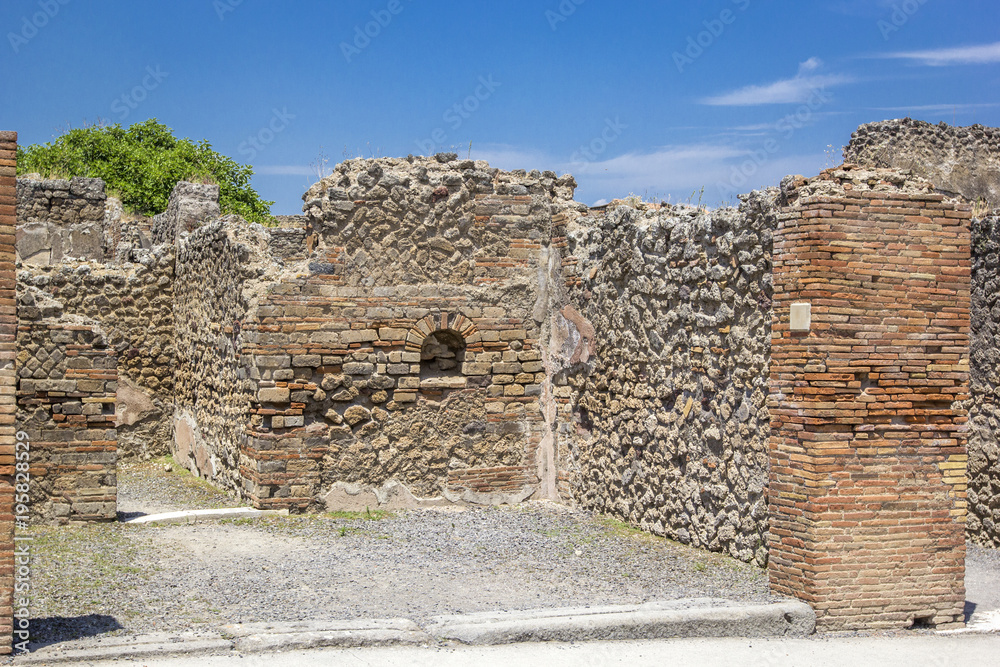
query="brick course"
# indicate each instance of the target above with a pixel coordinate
(868, 447)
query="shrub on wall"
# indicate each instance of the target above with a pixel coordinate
(142, 164)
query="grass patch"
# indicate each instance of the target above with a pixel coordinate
(367, 515)
(242, 521)
(184, 476)
(617, 528)
(74, 566)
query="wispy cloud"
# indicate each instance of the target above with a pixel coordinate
(676, 170)
(962, 55)
(787, 91)
(940, 107)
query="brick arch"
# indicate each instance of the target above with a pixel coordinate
(457, 322)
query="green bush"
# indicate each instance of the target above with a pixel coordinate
(142, 164)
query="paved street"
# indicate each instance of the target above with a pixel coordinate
(915, 651)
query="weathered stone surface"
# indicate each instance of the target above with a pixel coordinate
(983, 524)
(191, 205)
(274, 395)
(959, 160)
(668, 332)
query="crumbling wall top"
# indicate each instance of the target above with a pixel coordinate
(852, 178)
(958, 160)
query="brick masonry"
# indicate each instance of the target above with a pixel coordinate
(68, 379)
(438, 330)
(868, 447)
(8, 332)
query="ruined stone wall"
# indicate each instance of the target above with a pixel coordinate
(190, 206)
(958, 160)
(216, 280)
(984, 412)
(288, 244)
(134, 305)
(405, 354)
(869, 372)
(59, 219)
(669, 423)
(8, 383)
(67, 381)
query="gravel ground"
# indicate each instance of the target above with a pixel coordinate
(982, 580)
(163, 486)
(117, 578)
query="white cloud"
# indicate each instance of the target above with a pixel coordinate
(801, 88)
(788, 91)
(810, 65)
(962, 55)
(940, 107)
(678, 172)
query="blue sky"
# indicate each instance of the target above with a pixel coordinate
(660, 99)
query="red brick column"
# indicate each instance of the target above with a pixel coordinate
(8, 333)
(868, 455)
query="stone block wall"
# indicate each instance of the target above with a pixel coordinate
(218, 270)
(408, 350)
(59, 219)
(288, 244)
(667, 425)
(984, 407)
(958, 160)
(191, 205)
(134, 305)
(8, 381)
(868, 449)
(67, 381)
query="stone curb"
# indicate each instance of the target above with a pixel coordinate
(656, 620)
(703, 617)
(127, 647)
(194, 516)
(264, 637)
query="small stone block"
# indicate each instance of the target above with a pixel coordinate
(801, 317)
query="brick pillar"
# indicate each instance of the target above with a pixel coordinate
(8, 333)
(868, 449)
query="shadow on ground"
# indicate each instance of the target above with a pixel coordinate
(56, 629)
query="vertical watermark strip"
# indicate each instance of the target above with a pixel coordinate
(22, 544)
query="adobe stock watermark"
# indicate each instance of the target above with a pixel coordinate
(901, 15)
(22, 543)
(223, 7)
(787, 126)
(31, 25)
(128, 102)
(698, 44)
(590, 152)
(364, 34)
(456, 115)
(255, 143)
(565, 9)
